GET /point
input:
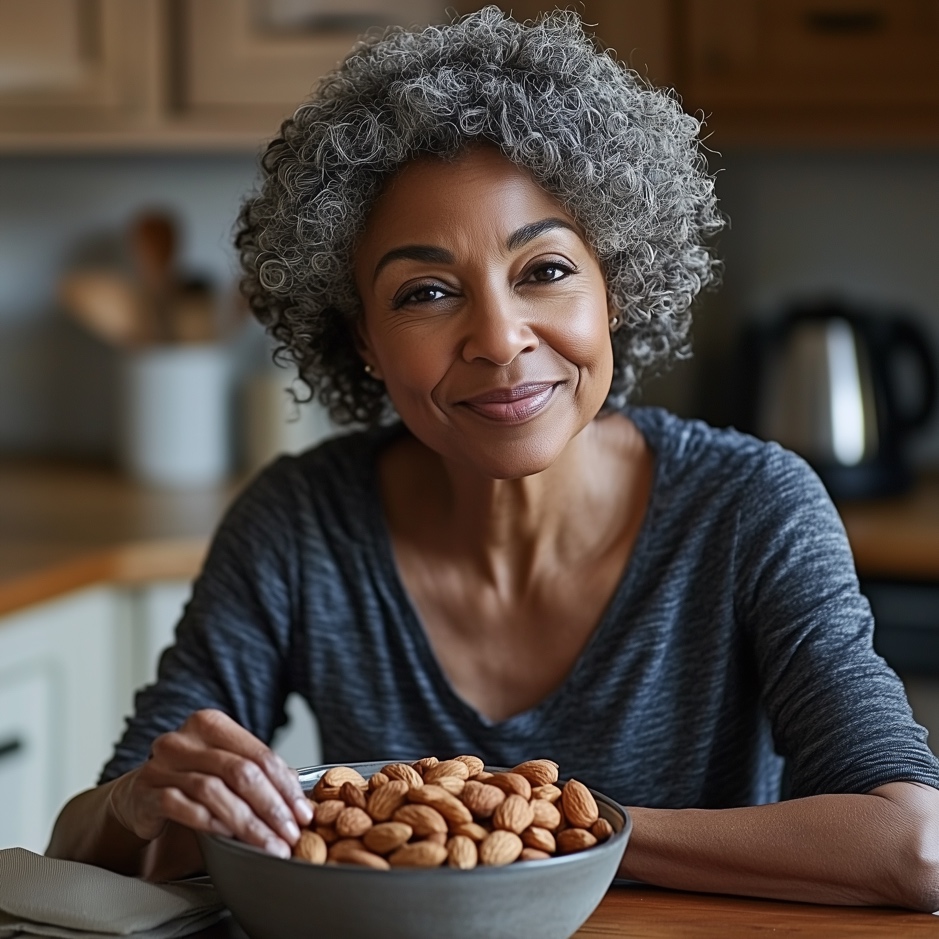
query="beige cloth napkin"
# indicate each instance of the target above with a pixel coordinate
(64, 899)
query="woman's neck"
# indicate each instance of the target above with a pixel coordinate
(510, 530)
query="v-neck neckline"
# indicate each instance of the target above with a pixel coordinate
(553, 704)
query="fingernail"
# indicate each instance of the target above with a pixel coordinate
(304, 811)
(278, 848)
(293, 833)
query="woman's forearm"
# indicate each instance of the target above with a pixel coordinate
(876, 849)
(88, 830)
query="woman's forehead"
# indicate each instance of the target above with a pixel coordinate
(480, 188)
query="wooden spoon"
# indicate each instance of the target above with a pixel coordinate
(153, 241)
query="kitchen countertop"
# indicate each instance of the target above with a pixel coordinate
(650, 913)
(65, 525)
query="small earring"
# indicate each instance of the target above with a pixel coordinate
(368, 369)
(614, 323)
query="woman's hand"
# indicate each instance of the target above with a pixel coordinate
(213, 775)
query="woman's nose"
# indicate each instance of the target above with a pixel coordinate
(498, 329)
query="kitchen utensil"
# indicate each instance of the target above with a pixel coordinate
(107, 305)
(825, 381)
(277, 899)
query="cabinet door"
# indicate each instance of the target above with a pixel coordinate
(850, 63)
(60, 665)
(26, 763)
(249, 63)
(77, 65)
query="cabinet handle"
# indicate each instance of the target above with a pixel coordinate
(9, 747)
(846, 22)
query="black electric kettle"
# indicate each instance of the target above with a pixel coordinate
(827, 381)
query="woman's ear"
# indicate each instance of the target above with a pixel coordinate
(362, 346)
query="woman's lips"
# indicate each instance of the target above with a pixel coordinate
(512, 405)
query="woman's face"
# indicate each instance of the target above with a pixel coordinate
(484, 313)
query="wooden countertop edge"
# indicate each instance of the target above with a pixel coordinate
(128, 564)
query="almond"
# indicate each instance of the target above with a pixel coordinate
(533, 854)
(473, 763)
(538, 772)
(500, 848)
(419, 854)
(481, 798)
(340, 774)
(364, 859)
(386, 837)
(437, 837)
(339, 850)
(310, 848)
(327, 833)
(376, 781)
(447, 768)
(461, 853)
(575, 839)
(425, 764)
(386, 800)
(352, 795)
(327, 812)
(579, 805)
(450, 807)
(601, 829)
(353, 822)
(545, 814)
(453, 784)
(324, 793)
(511, 783)
(515, 814)
(548, 793)
(472, 831)
(482, 776)
(403, 772)
(422, 818)
(539, 838)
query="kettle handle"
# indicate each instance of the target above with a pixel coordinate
(908, 336)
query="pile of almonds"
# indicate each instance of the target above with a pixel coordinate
(453, 812)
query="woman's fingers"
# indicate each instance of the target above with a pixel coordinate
(218, 730)
(208, 804)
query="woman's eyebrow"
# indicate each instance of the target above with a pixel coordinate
(521, 236)
(413, 253)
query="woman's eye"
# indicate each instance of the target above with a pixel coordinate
(545, 273)
(427, 293)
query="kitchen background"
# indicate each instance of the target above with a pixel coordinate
(825, 123)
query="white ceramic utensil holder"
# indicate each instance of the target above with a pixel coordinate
(176, 420)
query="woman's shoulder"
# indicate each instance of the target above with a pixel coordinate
(692, 446)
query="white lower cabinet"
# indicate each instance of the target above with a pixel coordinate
(61, 681)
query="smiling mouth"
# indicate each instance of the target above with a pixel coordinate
(512, 405)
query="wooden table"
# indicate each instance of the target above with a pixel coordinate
(650, 913)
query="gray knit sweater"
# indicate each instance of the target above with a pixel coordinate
(736, 638)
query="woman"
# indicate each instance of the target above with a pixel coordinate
(490, 230)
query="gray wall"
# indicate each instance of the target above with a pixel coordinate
(861, 225)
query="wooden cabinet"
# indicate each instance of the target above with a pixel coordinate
(174, 74)
(222, 74)
(77, 66)
(853, 71)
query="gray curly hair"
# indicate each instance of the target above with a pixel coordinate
(620, 156)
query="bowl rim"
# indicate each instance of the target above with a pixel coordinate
(311, 774)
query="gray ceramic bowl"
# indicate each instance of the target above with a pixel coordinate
(276, 899)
